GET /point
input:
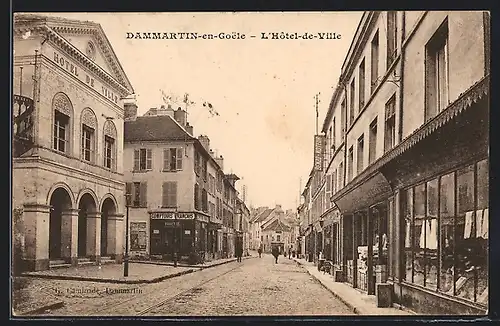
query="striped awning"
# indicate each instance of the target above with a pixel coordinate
(475, 93)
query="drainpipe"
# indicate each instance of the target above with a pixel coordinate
(344, 266)
(401, 93)
(401, 81)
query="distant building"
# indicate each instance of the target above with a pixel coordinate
(181, 200)
(68, 91)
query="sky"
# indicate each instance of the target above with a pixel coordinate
(263, 90)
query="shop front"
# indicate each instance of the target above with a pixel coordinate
(181, 233)
(439, 263)
(309, 243)
(214, 245)
(365, 207)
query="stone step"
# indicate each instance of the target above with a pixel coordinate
(55, 266)
(83, 259)
(57, 262)
(84, 263)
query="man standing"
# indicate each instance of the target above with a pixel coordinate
(239, 251)
(260, 250)
(275, 252)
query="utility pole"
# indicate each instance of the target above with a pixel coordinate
(125, 260)
(316, 105)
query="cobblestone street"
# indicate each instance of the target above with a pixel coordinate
(252, 287)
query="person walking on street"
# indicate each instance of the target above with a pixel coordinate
(275, 252)
(260, 250)
(290, 252)
(239, 252)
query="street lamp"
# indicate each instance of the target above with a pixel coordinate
(175, 238)
(125, 259)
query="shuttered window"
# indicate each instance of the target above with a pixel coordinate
(143, 159)
(137, 193)
(169, 194)
(172, 159)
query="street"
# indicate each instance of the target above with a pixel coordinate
(256, 286)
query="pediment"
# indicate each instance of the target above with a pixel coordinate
(90, 39)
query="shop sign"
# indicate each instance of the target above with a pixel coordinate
(187, 232)
(319, 150)
(171, 215)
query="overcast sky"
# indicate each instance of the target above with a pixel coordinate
(263, 90)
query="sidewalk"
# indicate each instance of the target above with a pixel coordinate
(139, 272)
(360, 303)
(207, 264)
(113, 273)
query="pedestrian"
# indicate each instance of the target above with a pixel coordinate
(275, 252)
(290, 252)
(260, 250)
(239, 252)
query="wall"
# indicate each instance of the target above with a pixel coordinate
(155, 178)
(466, 60)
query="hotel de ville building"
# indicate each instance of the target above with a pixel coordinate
(398, 199)
(68, 188)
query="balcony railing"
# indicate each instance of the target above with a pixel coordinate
(22, 109)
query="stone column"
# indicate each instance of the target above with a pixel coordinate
(115, 236)
(69, 236)
(36, 236)
(94, 236)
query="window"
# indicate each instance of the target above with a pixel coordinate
(196, 197)
(278, 238)
(390, 124)
(343, 107)
(142, 159)
(391, 37)
(351, 101)
(204, 200)
(374, 65)
(169, 194)
(350, 160)
(341, 176)
(372, 146)
(87, 143)
(61, 132)
(137, 192)
(109, 145)
(172, 159)
(446, 233)
(436, 72)
(362, 85)
(361, 149)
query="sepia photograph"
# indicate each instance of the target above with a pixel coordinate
(250, 164)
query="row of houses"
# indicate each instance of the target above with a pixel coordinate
(82, 159)
(273, 227)
(397, 198)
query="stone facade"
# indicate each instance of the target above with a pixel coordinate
(71, 192)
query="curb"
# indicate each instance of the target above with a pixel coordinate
(55, 305)
(191, 266)
(100, 280)
(354, 309)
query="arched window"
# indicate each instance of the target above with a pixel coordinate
(110, 139)
(63, 113)
(88, 135)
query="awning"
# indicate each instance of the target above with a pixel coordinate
(371, 186)
(367, 193)
(308, 231)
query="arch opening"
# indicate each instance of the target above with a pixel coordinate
(60, 201)
(87, 205)
(108, 208)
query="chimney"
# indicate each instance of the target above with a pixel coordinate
(220, 161)
(212, 153)
(189, 128)
(180, 116)
(130, 111)
(205, 142)
(153, 111)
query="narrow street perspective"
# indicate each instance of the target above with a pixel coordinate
(260, 163)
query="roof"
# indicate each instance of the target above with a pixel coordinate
(262, 216)
(277, 225)
(62, 26)
(154, 128)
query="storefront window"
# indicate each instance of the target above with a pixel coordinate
(408, 234)
(419, 235)
(446, 233)
(446, 221)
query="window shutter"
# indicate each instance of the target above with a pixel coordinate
(173, 194)
(166, 159)
(149, 159)
(136, 159)
(179, 158)
(144, 194)
(128, 192)
(164, 193)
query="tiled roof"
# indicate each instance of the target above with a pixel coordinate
(263, 216)
(277, 225)
(154, 128)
